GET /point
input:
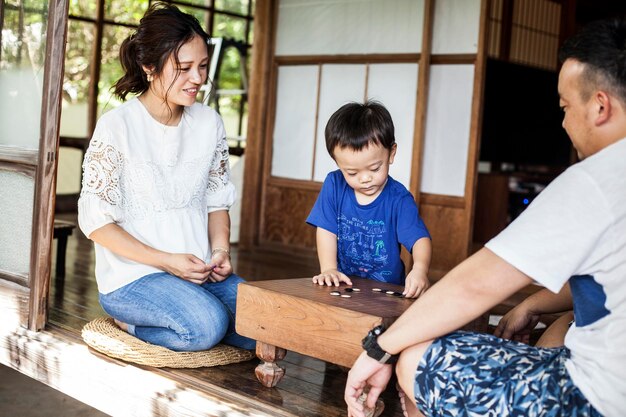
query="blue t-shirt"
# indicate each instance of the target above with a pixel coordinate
(369, 236)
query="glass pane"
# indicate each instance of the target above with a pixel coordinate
(230, 70)
(125, 11)
(17, 193)
(229, 27)
(244, 123)
(110, 70)
(83, 8)
(69, 170)
(205, 3)
(77, 78)
(201, 15)
(236, 6)
(229, 110)
(22, 56)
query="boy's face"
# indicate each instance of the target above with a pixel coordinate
(365, 171)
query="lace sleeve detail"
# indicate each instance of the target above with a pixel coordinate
(219, 173)
(101, 172)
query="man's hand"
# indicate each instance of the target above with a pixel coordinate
(416, 284)
(365, 372)
(331, 277)
(517, 324)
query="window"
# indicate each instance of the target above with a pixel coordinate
(97, 29)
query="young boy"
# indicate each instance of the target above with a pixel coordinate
(363, 215)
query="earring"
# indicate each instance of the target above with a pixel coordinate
(149, 77)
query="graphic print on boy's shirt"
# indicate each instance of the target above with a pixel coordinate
(363, 246)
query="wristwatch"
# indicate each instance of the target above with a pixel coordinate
(373, 349)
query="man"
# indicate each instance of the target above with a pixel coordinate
(574, 232)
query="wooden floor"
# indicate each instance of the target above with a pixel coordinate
(310, 387)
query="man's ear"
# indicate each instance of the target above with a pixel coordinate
(603, 105)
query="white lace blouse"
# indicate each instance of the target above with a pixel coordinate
(157, 182)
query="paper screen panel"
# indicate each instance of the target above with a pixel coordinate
(329, 27)
(294, 125)
(340, 85)
(395, 86)
(456, 25)
(447, 129)
(17, 193)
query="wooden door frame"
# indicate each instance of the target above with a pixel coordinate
(45, 182)
(28, 296)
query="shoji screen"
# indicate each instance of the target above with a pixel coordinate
(310, 90)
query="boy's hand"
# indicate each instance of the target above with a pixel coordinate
(331, 277)
(416, 284)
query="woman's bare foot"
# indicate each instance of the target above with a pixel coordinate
(121, 325)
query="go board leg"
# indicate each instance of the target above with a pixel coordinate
(268, 372)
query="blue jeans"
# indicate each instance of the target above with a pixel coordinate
(165, 310)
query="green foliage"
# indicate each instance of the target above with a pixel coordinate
(23, 39)
(126, 14)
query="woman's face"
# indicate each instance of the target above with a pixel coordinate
(180, 83)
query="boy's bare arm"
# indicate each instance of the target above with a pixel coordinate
(417, 279)
(327, 255)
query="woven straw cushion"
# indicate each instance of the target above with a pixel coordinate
(103, 335)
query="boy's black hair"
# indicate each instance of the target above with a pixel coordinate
(357, 125)
(601, 46)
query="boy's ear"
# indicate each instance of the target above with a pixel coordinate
(392, 153)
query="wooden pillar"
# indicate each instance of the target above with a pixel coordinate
(262, 53)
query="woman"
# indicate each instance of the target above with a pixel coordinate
(156, 193)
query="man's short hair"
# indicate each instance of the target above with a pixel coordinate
(357, 125)
(601, 46)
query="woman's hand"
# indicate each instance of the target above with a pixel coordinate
(187, 267)
(221, 266)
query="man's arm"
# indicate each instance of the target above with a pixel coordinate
(470, 289)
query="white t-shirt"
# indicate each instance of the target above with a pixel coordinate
(576, 230)
(157, 182)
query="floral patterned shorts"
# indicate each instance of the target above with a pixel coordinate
(474, 374)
